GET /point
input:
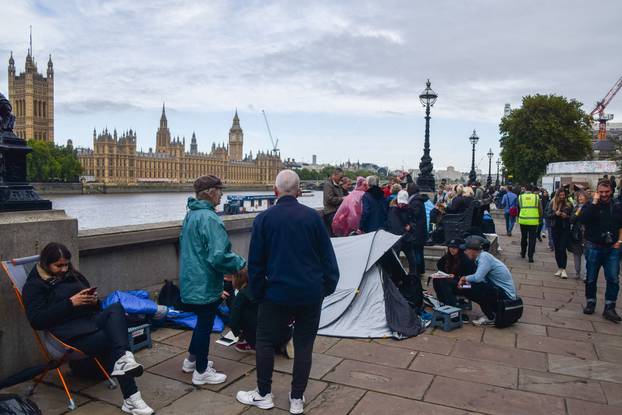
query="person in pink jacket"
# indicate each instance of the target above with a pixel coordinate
(348, 216)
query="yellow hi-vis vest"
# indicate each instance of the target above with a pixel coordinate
(529, 209)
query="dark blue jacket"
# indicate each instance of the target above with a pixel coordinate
(291, 259)
(374, 215)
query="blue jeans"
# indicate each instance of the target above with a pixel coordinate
(509, 222)
(609, 259)
(199, 345)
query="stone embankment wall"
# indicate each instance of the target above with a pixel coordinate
(98, 188)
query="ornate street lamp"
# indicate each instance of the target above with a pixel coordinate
(472, 175)
(425, 180)
(489, 180)
(498, 165)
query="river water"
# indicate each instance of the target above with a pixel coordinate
(107, 210)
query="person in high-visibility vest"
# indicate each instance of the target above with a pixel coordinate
(529, 216)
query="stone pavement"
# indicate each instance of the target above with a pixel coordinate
(555, 361)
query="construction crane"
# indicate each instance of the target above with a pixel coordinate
(600, 110)
(275, 144)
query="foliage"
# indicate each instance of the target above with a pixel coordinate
(48, 162)
(307, 174)
(546, 129)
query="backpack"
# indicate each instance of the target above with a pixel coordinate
(170, 295)
(508, 312)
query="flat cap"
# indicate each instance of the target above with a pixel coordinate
(207, 182)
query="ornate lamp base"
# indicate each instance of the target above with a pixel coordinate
(426, 183)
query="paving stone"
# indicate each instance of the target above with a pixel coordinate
(157, 391)
(334, 400)
(400, 382)
(281, 386)
(50, 399)
(164, 333)
(372, 353)
(592, 369)
(74, 383)
(530, 291)
(613, 392)
(96, 408)
(423, 343)
(172, 369)
(322, 364)
(492, 399)
(608, 327)
(527, 282)
(577, 407)
(609, 353)
(567, 323)
(467, 332)
(562, 333)
(503, 355)
(569, 284)
(374, 403)
(457, 368)
(523, 328)
(202, 401)
(181, 340)
(535, 301)
(560, 385)
(157, 354)
(559, 298)
(323, 343)
(558, 346)
(274, 411)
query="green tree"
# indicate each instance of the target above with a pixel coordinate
(545, 129)
(49, 162)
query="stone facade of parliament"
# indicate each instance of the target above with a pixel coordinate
(114, 159)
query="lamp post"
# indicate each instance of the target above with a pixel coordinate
(472, 175)
(425, 180)
(489, 180)
(498, 165)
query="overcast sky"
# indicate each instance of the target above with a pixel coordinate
(339, 79)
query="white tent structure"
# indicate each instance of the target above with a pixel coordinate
(366, 303)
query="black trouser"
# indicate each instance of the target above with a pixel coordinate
(562, 239)
(108, 343)
(328, 221)
(408, 249)
(446, 290)
(528, 232)
(249, 332)
(199, 345)
(272, 321)
(486, 295)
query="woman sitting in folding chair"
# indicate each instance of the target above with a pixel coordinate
(60, 300)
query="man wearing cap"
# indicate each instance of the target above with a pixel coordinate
(205, 257)
(491, 281)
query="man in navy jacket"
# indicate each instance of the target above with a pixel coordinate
(291, 268)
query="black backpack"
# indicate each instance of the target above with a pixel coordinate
(169, 295)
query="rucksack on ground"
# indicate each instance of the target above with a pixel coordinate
(170, 295)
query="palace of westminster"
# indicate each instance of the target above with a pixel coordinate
(114, 158)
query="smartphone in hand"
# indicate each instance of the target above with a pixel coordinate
(91, 290)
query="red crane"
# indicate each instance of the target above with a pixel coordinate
(600, 110)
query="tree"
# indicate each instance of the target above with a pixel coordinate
(49, 162)
(546, 129)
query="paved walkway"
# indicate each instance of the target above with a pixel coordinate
(555, 361)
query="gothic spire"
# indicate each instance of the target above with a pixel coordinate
(163, 117)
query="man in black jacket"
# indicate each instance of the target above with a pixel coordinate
(603, 237)
(420, 234)
(291, 267)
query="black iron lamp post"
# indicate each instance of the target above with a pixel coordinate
(489, 180)
(425, 180)
(498, 165)
(472, 175)
(15, 192)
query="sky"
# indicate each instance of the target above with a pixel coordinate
(337, 79)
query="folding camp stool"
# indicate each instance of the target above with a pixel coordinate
(139, 337)
(52, 348)
(464, 303)
(447, 318)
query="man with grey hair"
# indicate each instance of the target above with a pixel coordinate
(292, 267)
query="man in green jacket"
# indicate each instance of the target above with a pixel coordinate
(205, 258)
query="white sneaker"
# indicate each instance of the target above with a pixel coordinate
(254, 398)
(558, 273)
(210, 377)
(136, 406)
(564, 275)
(189, 366)
(483, 321)
(296, 406)
(127, 365)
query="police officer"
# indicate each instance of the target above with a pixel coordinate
(530, 213)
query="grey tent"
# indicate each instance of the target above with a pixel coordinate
(366, 303)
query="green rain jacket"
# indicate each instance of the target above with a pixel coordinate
(205, 254)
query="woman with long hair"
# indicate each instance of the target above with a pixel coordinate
(456, 264)
(576, 232)
(559, 213)
(59, 299)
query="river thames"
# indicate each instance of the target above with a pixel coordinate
(108, 210)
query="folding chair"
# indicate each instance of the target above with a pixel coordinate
(53, 349)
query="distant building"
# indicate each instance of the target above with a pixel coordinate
(114, 159)
(608, 148)
(32, 97)
(506, 110)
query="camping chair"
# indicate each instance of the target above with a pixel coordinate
(53, 349)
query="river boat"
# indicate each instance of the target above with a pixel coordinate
(237, 205)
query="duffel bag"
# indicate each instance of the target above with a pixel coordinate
(508, 312)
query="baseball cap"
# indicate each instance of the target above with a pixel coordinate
(472, 243)
(455, 243)
(207, 182)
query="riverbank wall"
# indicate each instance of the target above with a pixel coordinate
(100, 188)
